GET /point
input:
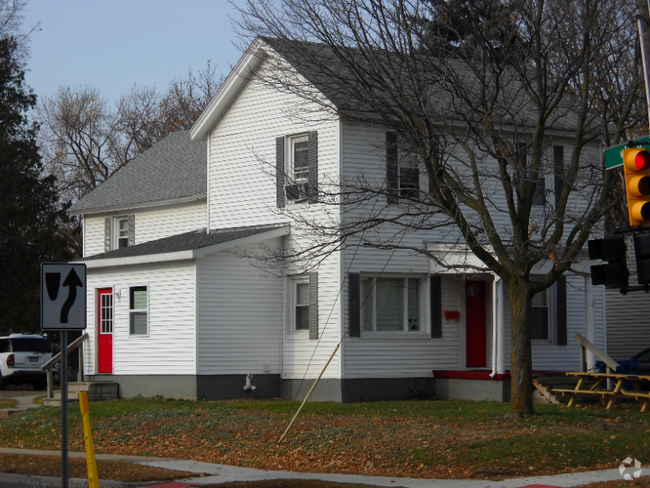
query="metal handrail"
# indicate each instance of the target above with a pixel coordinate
(47, 367)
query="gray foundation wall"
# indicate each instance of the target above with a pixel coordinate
(172, 386)
(473, 389)
(224, 387)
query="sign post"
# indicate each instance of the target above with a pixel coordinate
(63, 308)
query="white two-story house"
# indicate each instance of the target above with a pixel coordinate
(187, 293)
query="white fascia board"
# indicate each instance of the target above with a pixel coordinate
(228, 91)
(244, 241)
(136, 206)
(186, 255)
(133, 260)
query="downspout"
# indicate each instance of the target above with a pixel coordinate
(495, 320)
(207, 180)
(590, 330)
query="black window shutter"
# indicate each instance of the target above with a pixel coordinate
(560, 287)
(279, 171)
(392, 170)
(313, 305)
(435, 289)
(354, 304)
(107, 233)
(312, 189)
(131, 223)
(558, 163)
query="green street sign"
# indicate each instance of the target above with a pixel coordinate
(614, 156)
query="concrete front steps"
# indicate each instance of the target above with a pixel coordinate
(96, 391)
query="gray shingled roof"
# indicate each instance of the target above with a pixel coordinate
(324, 68)
(174, 169)
(189, 241)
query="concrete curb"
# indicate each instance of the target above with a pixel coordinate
(221, 473)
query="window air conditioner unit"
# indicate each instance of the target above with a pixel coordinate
(296, 192)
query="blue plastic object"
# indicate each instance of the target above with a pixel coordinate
(628, 366)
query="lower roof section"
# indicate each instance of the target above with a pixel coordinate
(190, 245)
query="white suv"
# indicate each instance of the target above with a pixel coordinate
(21, 358)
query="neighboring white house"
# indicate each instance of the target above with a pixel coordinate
(178, 306)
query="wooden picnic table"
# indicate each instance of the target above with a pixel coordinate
(594, 384)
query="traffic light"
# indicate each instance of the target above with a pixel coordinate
(636, 164)
(614, 274)
(642, 253)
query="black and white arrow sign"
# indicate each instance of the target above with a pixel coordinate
(63, 296)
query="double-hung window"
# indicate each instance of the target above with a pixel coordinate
(539, 196)
(402, 170)
(301, 317)
(297, 168)
(138, 310)
(299, 160)
(122, 232)
(539, 316)
(303, 305)
(119, 232)
(390, 305)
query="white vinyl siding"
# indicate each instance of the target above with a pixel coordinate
(628, 328)
(150, 224)
(169, 347)
(241, 316)
(242, 158)
(243, 191)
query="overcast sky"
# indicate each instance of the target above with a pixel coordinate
(112, 44)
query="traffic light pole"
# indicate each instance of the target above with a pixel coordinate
(643, 21)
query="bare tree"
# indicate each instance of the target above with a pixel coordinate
(81, 140)
(475, 89)
(147, 115)
(84, 140)
(11, 25)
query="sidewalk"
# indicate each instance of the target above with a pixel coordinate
(220, 473)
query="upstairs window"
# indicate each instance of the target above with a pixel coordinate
(122, 233)
(299, 160)
(297, 168)
(119, 232)
(539, 196)
(539, 323)
(402, 170)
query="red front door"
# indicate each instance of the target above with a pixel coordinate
(105, 330)
(475, 337)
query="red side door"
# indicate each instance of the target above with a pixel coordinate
(475, 337)
(105, 330)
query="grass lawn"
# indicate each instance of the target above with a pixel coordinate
(120, 471)
(421, 439)
(8, 403)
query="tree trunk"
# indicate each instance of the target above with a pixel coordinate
(521, 361)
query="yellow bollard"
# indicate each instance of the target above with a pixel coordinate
(93, 477)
